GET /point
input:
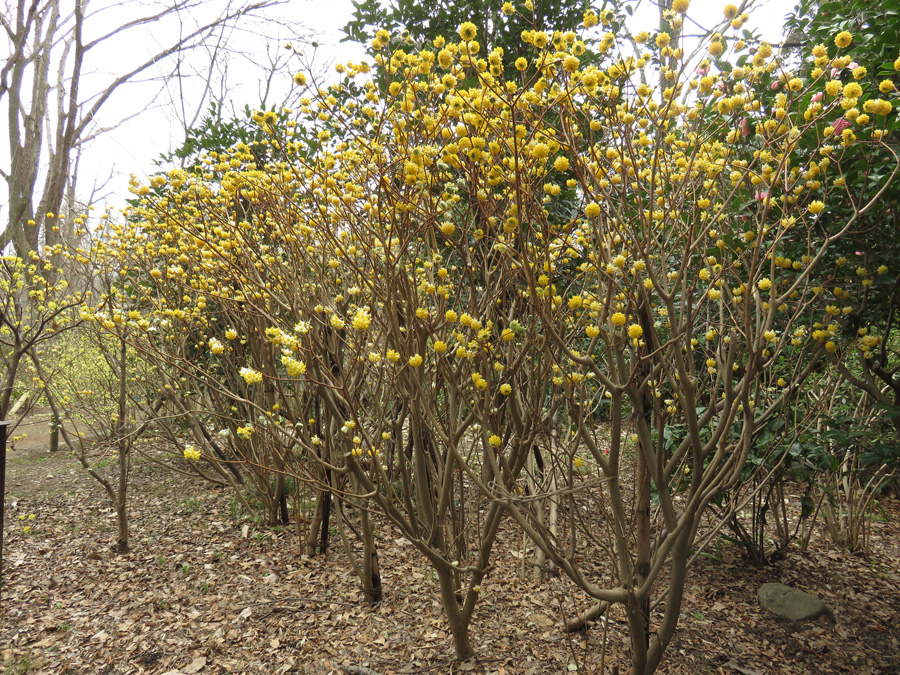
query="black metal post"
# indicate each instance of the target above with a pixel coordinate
(3, 426)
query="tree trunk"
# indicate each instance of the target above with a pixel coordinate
(459, 624)
(371, 574)
(640, 638)
(318, 529)
(279, 514)
(122, 543)
(535, 480)
(326, 518)
(9, 380)
(124, 444)
(639, 613)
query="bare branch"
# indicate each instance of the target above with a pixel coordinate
(18, 38)
(144, 20)
(181, 45)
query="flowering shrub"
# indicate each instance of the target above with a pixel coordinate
(35, 306)
(856, 284)
(474, 269)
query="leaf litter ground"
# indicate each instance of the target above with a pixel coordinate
(202, 592)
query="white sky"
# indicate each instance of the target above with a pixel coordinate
(152, 127)
(152, 124)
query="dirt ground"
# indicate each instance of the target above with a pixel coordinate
(205, 591)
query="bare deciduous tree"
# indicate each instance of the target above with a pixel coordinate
(49, 50)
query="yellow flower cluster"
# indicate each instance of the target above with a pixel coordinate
(878, 106)
(251, 376)
(361, 319)
(294, 367)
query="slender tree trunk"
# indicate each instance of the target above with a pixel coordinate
(677, 577)
(279, 513)
(122, 543)
(371, 573)
(553, 514)
(643, 417)
(9, 380)
(459, 624)
(54, 433)
(325, 523)
(318, 528)
(368, 572)
(642, 562)
(535, 480)
(124, 445)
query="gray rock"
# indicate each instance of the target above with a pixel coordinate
(791, 603)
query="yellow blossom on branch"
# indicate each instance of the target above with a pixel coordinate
(251, 376)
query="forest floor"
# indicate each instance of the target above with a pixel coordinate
(205, 591)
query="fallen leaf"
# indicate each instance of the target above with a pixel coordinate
(195, 666)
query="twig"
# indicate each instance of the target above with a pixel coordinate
(442, 665)
(744, 671)
(360, 670)
(313, 600)
(591, 614)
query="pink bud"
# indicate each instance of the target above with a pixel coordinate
(841, 124)
(853, 65)
(834, 72)
(817, 97)
(761, 196)
(745, 127)
(775, 86)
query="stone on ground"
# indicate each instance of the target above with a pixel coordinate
(791, 603)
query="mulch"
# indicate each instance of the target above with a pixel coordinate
(205, 592)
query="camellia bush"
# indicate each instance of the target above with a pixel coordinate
(862, 277)
(575, 296)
